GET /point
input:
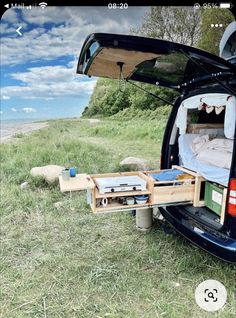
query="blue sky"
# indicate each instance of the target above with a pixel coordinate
(38, 69)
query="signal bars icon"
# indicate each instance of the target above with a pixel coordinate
(43, 5)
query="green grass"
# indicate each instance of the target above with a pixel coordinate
(68, 262)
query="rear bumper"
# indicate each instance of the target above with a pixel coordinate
(224, 248)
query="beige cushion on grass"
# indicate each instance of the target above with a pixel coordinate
(50, 173)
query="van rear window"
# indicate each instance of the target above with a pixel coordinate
(202, 117)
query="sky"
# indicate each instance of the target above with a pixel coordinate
(38, 69)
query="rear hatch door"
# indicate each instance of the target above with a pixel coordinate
(154, 61)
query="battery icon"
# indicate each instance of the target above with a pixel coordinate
(225, 5)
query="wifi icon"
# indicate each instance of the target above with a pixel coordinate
(43, 5)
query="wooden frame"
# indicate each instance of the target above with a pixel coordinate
(174, 191)
(160, 193)
(197, 189)
(115, 206)
(222, 214)
(195, 128)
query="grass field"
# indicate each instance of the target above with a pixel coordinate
(67, 262)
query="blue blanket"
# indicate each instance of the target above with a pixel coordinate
(167, 175)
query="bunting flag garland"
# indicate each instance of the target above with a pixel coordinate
(218, 109)
(210, 108)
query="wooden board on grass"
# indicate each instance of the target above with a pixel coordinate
(79, 182)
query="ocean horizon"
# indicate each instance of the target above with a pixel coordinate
(11, 126)
(31, 120)
(21, 120)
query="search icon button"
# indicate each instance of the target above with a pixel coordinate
(211, 295)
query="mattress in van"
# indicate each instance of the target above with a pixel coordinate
(189, 160)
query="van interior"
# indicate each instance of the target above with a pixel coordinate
(203, 134)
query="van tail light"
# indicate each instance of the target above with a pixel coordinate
(232, 197)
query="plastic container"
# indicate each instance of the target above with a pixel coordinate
(141, 199)
(65, 174)
(130, 200)
(213, 197)
(73, 171)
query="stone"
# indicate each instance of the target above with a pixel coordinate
(50, 173)
(24, 185)
(135, 164)
(58, 204)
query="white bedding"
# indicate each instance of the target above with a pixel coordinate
(215, 158)
(209, 171)
(216, 152)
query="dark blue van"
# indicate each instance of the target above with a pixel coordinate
(205, 111)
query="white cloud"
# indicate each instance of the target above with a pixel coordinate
(52, 33)
(13, 110)
(29, 110)
(4, 97)
(49, 82)
(1, 112)
(6, 28)
(35, 45)
(46, 74)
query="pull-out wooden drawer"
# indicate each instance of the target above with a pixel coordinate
(173, 193)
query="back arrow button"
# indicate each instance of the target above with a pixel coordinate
(18, 30)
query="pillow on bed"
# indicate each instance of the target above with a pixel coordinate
(221, 144)
(202, 142)
(215, 157)
(216, 152)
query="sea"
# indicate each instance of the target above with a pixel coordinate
(7, 125)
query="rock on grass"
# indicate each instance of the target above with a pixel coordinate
(50, 173)
(134, 164)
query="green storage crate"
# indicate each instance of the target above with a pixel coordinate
(214, 197)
